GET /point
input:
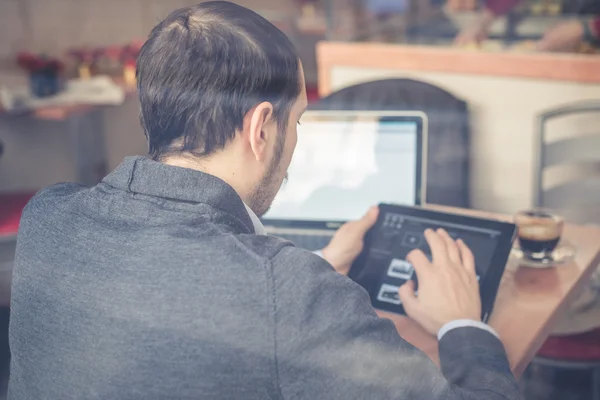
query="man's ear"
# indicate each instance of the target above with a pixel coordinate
(261, 128)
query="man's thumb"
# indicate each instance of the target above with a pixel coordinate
(369, 219)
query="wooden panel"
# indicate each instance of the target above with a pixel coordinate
(561, 67)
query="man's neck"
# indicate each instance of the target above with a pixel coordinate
(195, 164)
(212, 167)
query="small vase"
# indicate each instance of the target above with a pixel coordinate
(44, 83)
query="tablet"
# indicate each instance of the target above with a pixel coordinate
(382, 268)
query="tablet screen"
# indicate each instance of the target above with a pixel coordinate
(398, 233)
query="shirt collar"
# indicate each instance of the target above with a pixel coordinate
(144, 176)
(259, 228)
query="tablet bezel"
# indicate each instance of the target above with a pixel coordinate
(489, 283)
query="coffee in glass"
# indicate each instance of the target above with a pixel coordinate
(538, 231)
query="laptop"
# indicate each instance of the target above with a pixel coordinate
(344, 163)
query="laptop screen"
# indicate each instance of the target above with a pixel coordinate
(343, 164)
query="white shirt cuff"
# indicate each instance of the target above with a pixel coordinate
(464, 323)
(319, 253)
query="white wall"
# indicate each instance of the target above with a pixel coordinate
(503, 112)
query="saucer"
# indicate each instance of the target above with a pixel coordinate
(563, 253)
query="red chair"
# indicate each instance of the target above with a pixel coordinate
(312, 93)
(577, 351)
(574, 352)
(11, 208)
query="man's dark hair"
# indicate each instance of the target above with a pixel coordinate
(203, 68)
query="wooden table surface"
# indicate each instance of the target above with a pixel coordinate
(529, 300)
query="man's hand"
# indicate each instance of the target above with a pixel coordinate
(565, 36)
(448, 287)
(347, 243)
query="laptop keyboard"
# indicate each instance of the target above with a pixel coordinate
(310, 242)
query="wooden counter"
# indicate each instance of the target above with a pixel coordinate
(63, 112)
(515, 64)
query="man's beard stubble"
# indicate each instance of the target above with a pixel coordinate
(264, 194)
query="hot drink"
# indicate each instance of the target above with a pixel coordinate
(539, 232)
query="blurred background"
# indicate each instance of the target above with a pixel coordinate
(500, 81)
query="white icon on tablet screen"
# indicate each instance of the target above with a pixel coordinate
(389, 294)
(411, 240)
(400, 269)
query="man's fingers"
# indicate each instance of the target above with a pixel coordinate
(437, 245)
(408, 298)
(451, 247)
(466, 255)
(419, 261)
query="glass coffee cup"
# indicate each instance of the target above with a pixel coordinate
(539, 232)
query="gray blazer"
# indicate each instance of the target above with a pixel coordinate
(153, 285)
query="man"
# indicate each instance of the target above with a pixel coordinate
(567, 35)
(158, 283)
